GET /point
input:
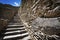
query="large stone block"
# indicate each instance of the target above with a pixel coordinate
(41, 16)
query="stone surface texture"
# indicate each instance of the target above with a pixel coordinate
(41, 16)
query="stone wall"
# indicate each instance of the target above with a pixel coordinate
(41, 16)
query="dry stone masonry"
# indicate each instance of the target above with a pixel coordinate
(41, 18)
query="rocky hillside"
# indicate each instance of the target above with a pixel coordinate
(8, 6)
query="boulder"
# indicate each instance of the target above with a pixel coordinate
(41, 16)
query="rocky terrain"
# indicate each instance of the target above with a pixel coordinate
(41, 18)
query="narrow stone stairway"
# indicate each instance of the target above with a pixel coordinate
(15, 31)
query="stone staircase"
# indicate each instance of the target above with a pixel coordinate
(15, 31)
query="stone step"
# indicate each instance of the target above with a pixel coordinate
(15, 28)
(14, 25)
(17, 38)
(14, 36)
(15, 33)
